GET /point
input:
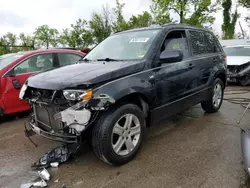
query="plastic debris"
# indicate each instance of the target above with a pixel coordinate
(64, 186)
(26, 185)
(54, 165)
(60, 154)
(41, 183)
(44, 174)
(56, 181)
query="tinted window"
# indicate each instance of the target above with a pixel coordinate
(198, 42)
(67, 58)
(212, 43)
(177, 40)
(35, 63)
(124, 46)
(7, 59)
(237, 51)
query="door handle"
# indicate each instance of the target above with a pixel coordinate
(214, 59)
(191, 65)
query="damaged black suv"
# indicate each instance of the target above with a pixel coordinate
(129, 81)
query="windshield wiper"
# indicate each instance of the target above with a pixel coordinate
(108, 59)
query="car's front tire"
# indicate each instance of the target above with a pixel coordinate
(118, 134)
(215, 99)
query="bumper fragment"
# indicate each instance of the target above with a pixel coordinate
(32, 129)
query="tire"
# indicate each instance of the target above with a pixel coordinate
(104, 140)
(210, 106)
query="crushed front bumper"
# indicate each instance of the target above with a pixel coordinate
(31, 129)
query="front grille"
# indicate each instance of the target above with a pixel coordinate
(44, 117)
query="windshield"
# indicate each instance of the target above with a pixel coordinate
(125, 46)
(237, 51)
(7, 59)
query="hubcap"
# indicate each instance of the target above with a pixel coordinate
(126, 134)
(217, 95)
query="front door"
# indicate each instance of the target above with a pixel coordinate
(175, 81)
(17, 76)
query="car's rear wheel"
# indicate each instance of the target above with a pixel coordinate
(215, 99)
(118, 133)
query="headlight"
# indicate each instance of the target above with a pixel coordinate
(22, 91)
(78, 95)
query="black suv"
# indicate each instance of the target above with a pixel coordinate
(130, 80)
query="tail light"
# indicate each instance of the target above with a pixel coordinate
(225, 56)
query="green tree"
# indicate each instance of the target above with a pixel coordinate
(160, 12)
(26, 40)
(195, 12)
(78, 36)
(119, 23)
(100, 24)
(8, 41)
(229, 20)
(45, 36)
(245, 3)
(141, 20)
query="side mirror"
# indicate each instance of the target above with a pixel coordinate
(11, 73)
(171, 56)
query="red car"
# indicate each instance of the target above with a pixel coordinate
(15, 68)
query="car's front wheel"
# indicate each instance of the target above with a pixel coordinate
(118, 133)
(215, 99)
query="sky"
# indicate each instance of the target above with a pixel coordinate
(26, 15)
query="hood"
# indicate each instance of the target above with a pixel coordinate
(83, 75)
(237, 60)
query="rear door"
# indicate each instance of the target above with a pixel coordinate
(204, 55)
(17, 76)
(68, 58)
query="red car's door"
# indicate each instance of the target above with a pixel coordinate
(17, 76)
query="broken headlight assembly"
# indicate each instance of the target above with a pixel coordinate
(77, 95)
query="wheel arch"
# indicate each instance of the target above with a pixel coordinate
(222, 76)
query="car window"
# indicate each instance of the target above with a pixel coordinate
(198, 42)
(177, 40)
(7, 59)
(212, 43)
(35, 63)
(68, 58)
(237, 51)
(132, 45)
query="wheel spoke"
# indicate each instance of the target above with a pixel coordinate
(119, 144)
(129, 144)
(118, 129)
(128, 121)
(135, 130)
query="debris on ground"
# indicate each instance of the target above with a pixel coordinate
(64, 186)
(56, 181)
(41, 183)
(44, 174)
(54, 165)
(26, 185)
(57, 155)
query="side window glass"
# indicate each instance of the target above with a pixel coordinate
(198, 42)
(212, 43)
(34, 64)
(67, 58)
(176, 40)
